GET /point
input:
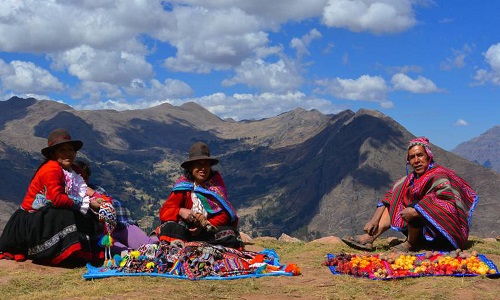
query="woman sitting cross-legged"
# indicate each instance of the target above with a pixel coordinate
(197, 208)
(55, 223)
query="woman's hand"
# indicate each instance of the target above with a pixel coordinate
(95, 204)
(371, 227)
(187, 215)
(90, 191)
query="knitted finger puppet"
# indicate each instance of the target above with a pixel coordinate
(107, 215)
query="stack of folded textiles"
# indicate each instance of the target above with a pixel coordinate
(193, 260)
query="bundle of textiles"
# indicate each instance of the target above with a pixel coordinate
(195, 260)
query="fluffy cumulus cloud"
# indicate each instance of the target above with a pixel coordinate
(236, 106)
(301, 44)
(207, 40)
(492, 74)
(421, 85)
(365, 88)
(52, 26)
(270, 12)
(92, 92)
(156, 90)
(134, 54)
(147, 94)
(383, 16)
(281, 76)
(25, 77)
(114, 67)
(249, 106)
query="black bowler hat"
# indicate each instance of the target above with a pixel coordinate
(57, 137)
(198, 151)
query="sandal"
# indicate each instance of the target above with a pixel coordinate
(404, 247)
(354, 242)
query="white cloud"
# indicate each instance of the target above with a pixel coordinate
(492, 58)
(148, 94)
(248, 106)
(109, 104)
(237, 106)
(26, 77)
(345, 58)
(461, 122)
(421, 85)
(458, 59)
(365, 88)
(382, 16)
(170, 88)
(10, 94)
(207, 40)
(114, 67)
(301, 44)
(52, 26)
(446, 20)
(270, 12)
(280, 76)
(404, 69)
(93, 92)
(113, 47)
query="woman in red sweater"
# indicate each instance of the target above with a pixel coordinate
(197, 208)
(54, 223)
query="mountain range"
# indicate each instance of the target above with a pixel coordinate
(302, 173)
(483, 150)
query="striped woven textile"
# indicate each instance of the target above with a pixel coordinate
(444, 199)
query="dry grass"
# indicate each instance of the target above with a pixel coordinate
(29, 281)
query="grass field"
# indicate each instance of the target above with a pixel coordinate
(30, 281)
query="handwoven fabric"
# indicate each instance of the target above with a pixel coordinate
(194, 261)
(212, 194)
(445, 200)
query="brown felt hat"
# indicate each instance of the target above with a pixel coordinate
(57, 137)
(199, 151)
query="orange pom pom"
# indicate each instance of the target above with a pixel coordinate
(292, 268)
(258, 259)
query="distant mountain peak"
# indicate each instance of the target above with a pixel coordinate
(483, 150)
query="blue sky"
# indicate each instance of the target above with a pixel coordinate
(433, 66)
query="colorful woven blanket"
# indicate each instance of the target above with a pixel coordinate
(194, 261)
(401, 265)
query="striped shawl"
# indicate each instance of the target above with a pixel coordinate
(445, 200)
(212, 194)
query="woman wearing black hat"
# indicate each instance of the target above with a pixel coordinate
(52, 225)
(197, 208)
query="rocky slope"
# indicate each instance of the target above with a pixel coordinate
(301, 173)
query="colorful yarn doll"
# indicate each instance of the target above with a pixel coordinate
(107, 215)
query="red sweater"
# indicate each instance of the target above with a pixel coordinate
(48, 180)
(182, 199)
